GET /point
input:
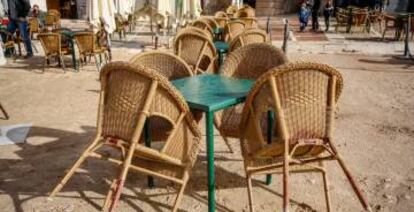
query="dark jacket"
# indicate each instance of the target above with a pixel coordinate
(21, 7)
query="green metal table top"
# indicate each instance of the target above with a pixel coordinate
(211, 93)
(221, 46)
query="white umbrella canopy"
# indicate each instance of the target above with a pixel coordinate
(104, 9)
(124, 7)
(166, 7)
(192, 7)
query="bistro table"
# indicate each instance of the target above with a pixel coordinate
(211, 93)
(221, 48)
(70, 34)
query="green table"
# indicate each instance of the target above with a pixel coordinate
(221, 48)
(71, 37)
(218, 33)
(212, 93)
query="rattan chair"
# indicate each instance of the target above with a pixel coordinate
(303, 97)
(232, 29)
(247, 62)
(202, 24)
(193, 29)
(88, 47)
(249, 22)
(196, 50)
(221, 22)
(129, 97)
(210, 21)
(245, 12)
(52, 19)
(231, 11)
(221, 14)
(360, 20)
(8, 42)
(249, 36)
(52, 47)
(342, 19)
(121, 25)
(34, 26)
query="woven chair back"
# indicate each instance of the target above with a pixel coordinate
(202, 24)
(193, 29)
(166, 64)
(221, 22)
(248, 37)
(54, 12)
(249, 22)
(253, 60)
(303, 97)
(130, 95)
(231, 10)
(51, 43)
(196, 50)
(221, 14)
(34, 24)
(233, 28)
(210, 21)
(245, 12)
(86, 42)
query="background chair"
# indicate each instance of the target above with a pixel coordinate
(202, 24)
(129, 96)
(193, 29)
(303, 97)
(88, 46)
(248, 37)
(247, 62)
(232, 29)
(196, 50)
(51, 43)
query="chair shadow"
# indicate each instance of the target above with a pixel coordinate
(390, 60)
(42, 165)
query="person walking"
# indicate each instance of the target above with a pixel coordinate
(303, 16)
(315, 12)
(327, 12)
(18, 11)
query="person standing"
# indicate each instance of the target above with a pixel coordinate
(303, 16)
(18, 11)
(315, 12)
(327, 12)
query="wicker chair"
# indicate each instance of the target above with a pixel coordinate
(8, 42)
(202, 24)
(245, 12)
(221, 14)
(249, 22)
(121, 25)
(360, 20)
(342, 19)
(88, 46)
(210, 21)
(233, 28)
(34, 26)
(196, 50)
(52, 19)
(303, 97)
(247, 62)
(203, 32)
(52, 46)
(129, 96)
(221, 22)
(249, 36)
(231, 11)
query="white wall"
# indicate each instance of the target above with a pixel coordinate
(41, 3)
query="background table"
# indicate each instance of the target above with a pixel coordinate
(212, 93)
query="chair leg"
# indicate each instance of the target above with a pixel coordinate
(286, 181)
(74, 168)
(326, 190)
(226, 141)
(63, 63)
(355, 187)
(249, 191)
(6, 116)
(179, 196)
(44, 64)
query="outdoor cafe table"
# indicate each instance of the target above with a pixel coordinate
(70, 34)
(211, 93)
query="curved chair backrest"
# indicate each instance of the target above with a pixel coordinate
(51, 43)
(54, 12)
(131, 95)
(249, 22)
(253, 60)
(196, 50)
(210, 21)
(303, 97)
(34, 24)
(197, 30)
(202, 24)
(248, 37)
(233, 28)
(166, 64)
(231, 11)
(245, 12)
(86, 42)
(220, 14)
(221, 22)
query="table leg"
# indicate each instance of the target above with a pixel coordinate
(147, 135)
(270, 126)
(221, 59)
(74, 61)
(210, 161)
